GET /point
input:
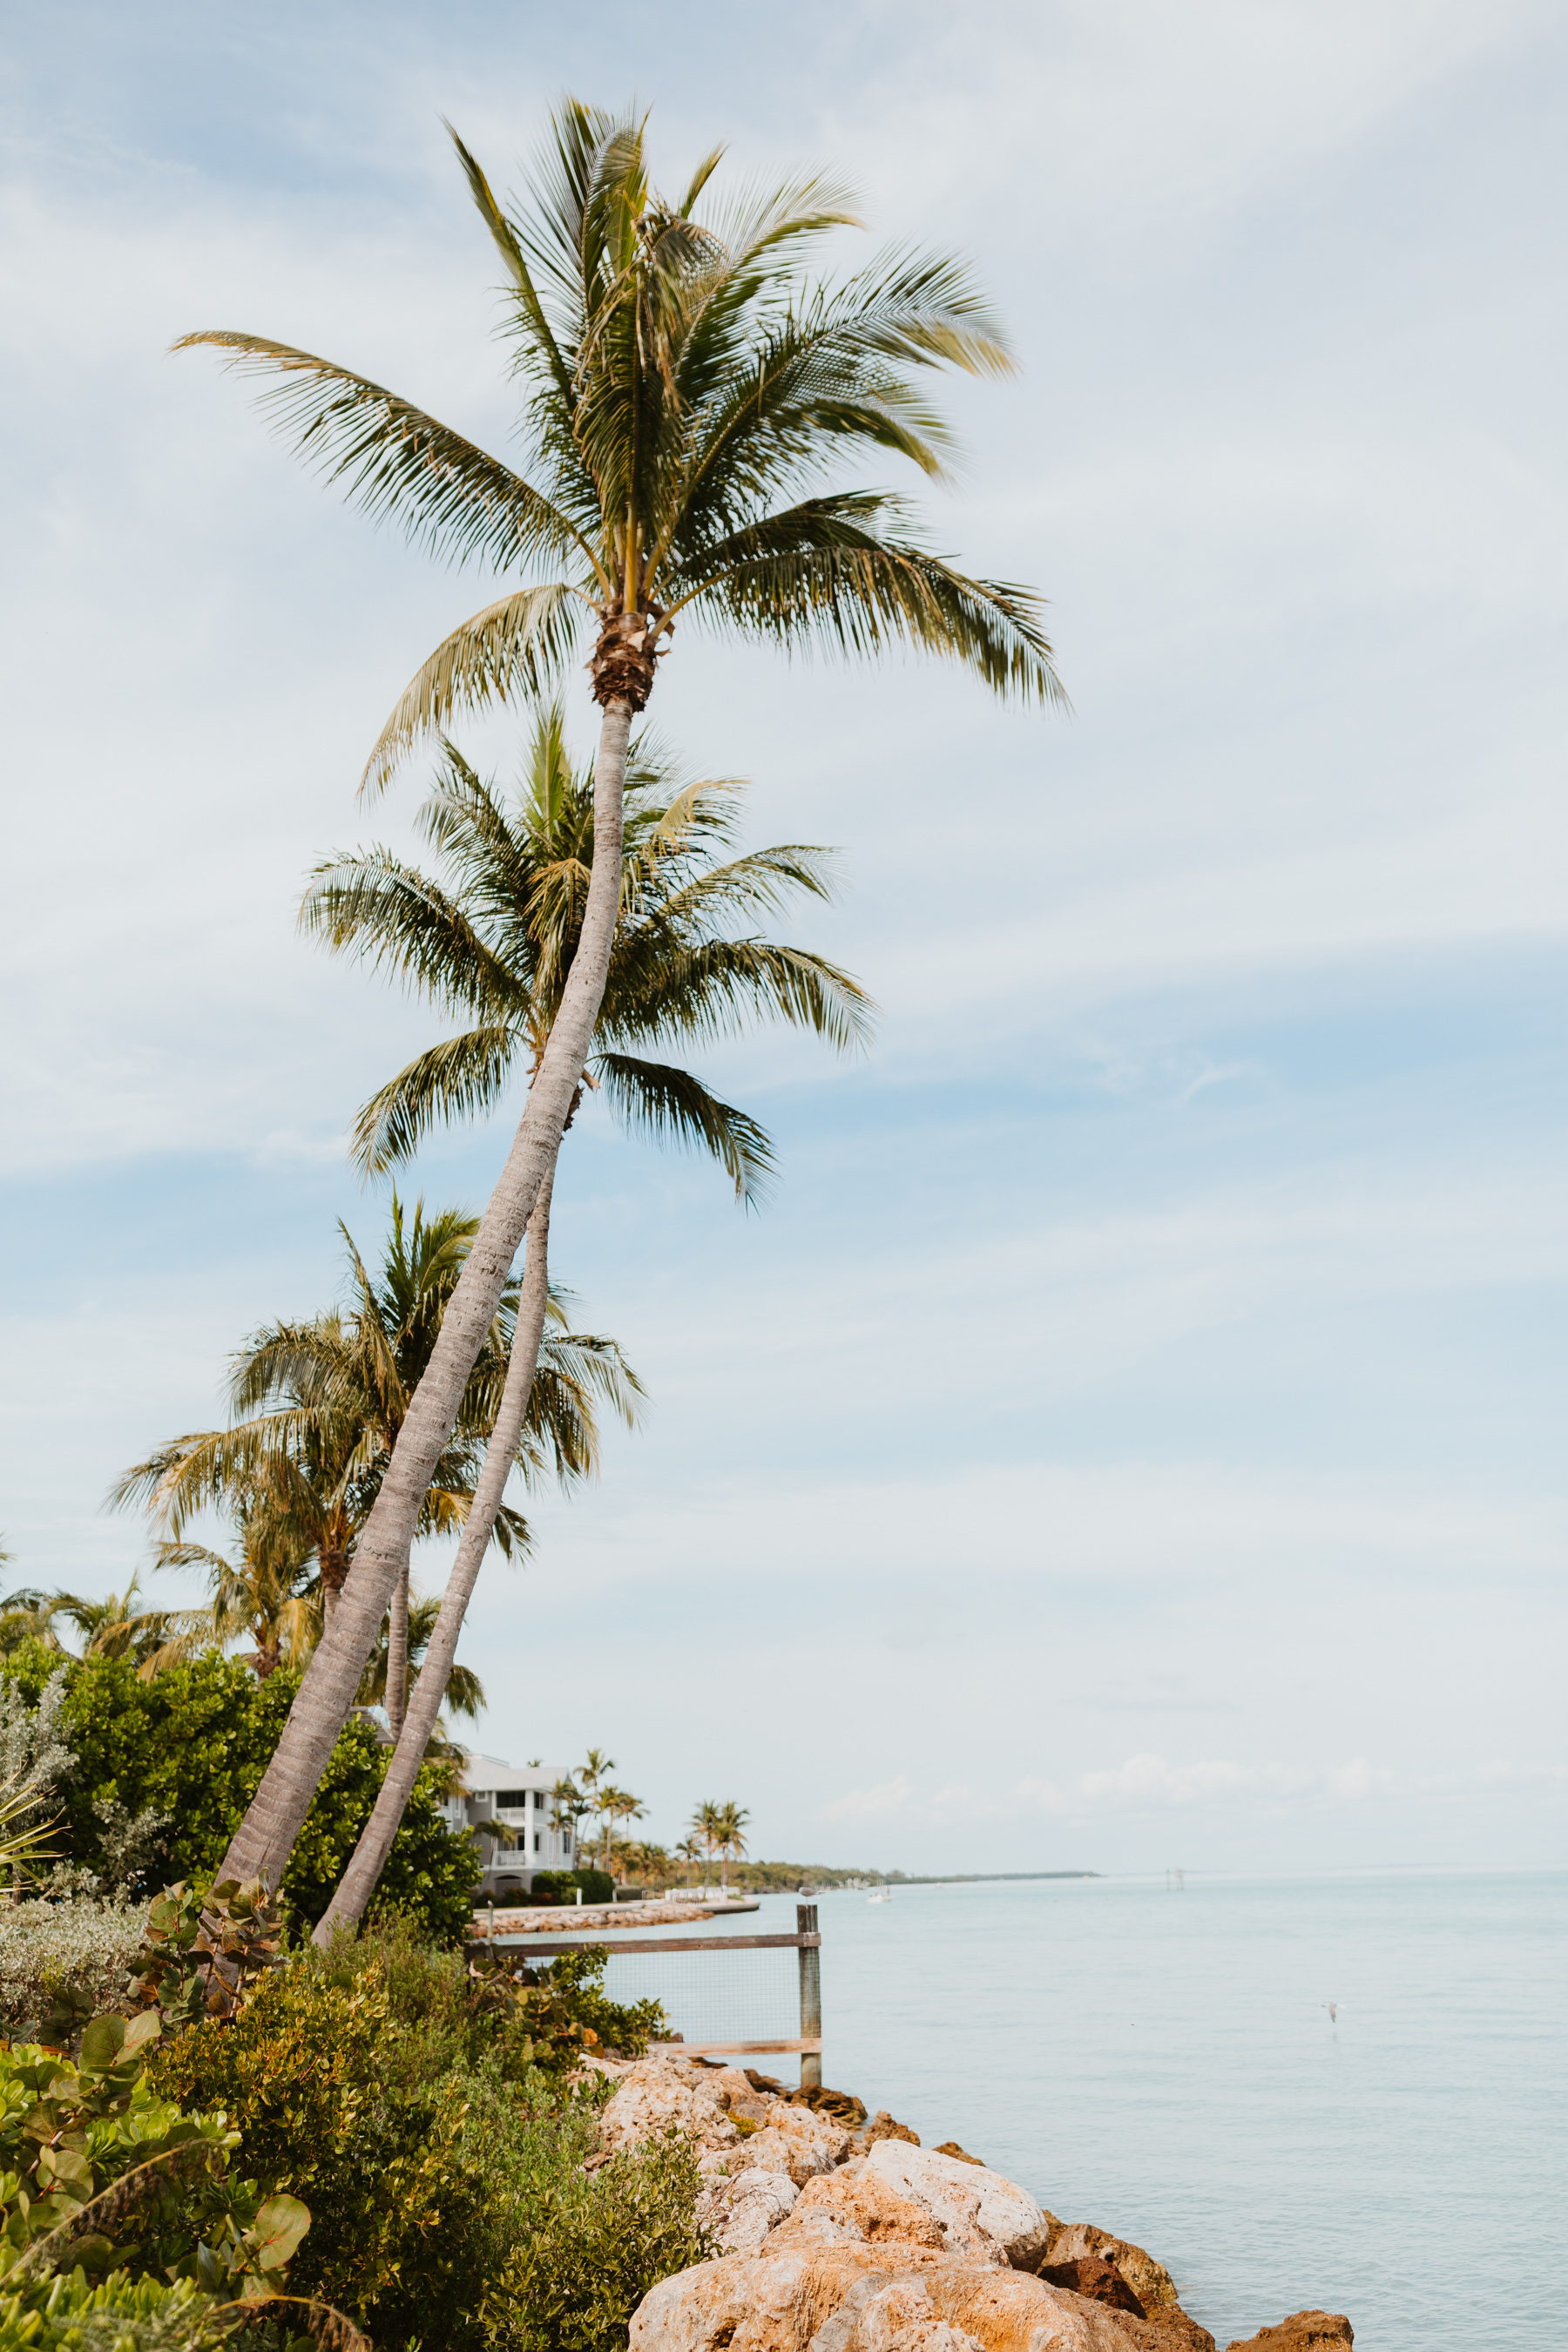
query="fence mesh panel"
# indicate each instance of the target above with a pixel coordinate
(714, 1996)
(708, 1996)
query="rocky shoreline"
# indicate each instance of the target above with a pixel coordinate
(568, 1918)
(839, 2232)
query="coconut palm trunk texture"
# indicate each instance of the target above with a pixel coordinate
(261, 1845)
(359, 1881)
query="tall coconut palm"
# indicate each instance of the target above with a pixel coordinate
(494, 937)
(693, 397)
(322, 1401)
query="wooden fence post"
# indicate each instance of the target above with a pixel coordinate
(810, 1997)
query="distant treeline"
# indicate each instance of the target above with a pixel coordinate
(781, 1878)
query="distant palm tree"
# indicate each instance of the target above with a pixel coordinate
(729, 1826)
(690, 1850)
(706, 1822)
(323, 1401)
(113, 1627)
(614, 1805)
(694, 401)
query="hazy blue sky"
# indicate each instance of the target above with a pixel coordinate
(1133, 1434)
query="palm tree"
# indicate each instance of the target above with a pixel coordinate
(323, 1401)
(690, 1849)
(115, 1627)
(269, 1594)
(614, 1805)
(729, 1835)
(495, 939)
(693, 399)
(705, 1823)
(465, 1694)
(497, 945)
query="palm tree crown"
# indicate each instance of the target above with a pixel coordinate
(496, 940)
(321, 1402)
(691, 395)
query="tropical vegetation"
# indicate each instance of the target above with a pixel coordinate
(319, 1404)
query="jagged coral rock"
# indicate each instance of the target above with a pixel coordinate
(799, 2294)
(796, 2141)
(740, 2212)
(976, 2207)
(657, 2095)
(1304, 2331)
(1149, 2281)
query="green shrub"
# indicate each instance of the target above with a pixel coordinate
(561, 1886)
(591, 2246)
(424, 2112)
(191, 1745)
(67, 2312)
(81, 1949)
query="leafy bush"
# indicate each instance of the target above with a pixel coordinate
(188, 1749)
(591, 2247)
(81, 1949)
(561, 1886)
(67, 2312)
(424, 2113)
(71, 2132)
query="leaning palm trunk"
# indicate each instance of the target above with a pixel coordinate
(359, 1881)
(265, 1838)
(397, 1656)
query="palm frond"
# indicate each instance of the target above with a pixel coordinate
(518, 646)
(394, 461)
(672, 1107)
(463, 1077)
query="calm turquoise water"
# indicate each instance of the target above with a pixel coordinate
(1163, 2064)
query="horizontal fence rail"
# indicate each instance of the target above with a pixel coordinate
(766, 2003)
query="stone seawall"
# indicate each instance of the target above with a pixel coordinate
(571, 1918)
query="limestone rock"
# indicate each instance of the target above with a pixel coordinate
(883, 2126)
(951, 2148)
(658, 2094)
(796, 2141)
(1100, 2281)
(740, 2212)
(831, 2297)
(965, 2196)
(865, 2209)
(1149, 2281)
(1304, 2331)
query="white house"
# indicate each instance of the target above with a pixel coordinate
(509, 1809)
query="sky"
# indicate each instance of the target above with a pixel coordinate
(1129, 1436)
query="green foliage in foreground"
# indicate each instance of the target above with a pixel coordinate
(191, 1745)
(427, 2115)
(121, 2226)
(68, 2312)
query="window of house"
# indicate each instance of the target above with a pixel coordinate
(538, 1842)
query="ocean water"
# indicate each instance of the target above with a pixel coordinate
(1163, 2064)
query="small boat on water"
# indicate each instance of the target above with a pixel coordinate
(883, 1895)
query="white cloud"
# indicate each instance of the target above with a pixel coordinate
(869, 1804)
(1149, 1784)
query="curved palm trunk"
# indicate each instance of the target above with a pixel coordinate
(397, 1656)
(369, 1859)
(265, 1838)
